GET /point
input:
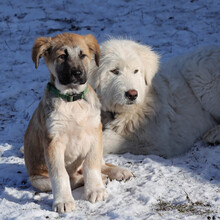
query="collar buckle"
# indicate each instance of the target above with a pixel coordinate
(69, 98)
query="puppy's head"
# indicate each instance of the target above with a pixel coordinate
(68, 58)
(124, 75)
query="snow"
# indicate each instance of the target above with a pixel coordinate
(185, 187)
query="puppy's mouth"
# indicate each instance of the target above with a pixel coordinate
(79, 81)
(72, 80)
(130, 102)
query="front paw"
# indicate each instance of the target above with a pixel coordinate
(95, 195)
(66, 206)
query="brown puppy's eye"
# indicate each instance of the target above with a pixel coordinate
(82, 56)
(63, 56)
(136, 71)
(115, 71)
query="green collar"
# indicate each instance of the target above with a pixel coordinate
(69, 98)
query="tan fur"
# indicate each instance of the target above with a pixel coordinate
(62, 137)
(42, 46)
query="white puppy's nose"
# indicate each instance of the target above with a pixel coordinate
(131, 94)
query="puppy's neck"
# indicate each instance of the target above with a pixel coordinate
(70, 89)
(67, 89)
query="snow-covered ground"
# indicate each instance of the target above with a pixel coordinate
(185, 187)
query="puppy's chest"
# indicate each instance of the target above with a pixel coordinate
(73, 120)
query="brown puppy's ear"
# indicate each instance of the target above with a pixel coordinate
(93, 46)
(41, 46)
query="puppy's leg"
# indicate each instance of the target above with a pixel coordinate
(94, 189)
(41, 182)
(116, 173)
(213, 135)
(63, 199)
(76, 180)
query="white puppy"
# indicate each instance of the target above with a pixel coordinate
(163, 113)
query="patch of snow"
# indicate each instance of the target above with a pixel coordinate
(185, 187)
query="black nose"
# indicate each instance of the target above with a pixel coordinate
(76, 73)
(131, 94)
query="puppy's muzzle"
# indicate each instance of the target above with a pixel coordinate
(78, 76)
(131, 94)
(76, 73)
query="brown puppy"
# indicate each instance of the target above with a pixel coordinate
(65, 132)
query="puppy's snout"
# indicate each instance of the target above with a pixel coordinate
(76, 73)
(131, 94)
(79, 76)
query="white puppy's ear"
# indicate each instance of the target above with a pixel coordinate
(94, 75)
(93, 47)
(150, 61)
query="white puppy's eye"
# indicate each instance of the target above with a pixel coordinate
(115, 71)
(136, 71)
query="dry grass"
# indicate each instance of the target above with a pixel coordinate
(188, 207)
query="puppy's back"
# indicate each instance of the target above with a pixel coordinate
(33, 144)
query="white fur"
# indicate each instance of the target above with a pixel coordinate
(127, 60)
(94, 189)
(174, 107)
